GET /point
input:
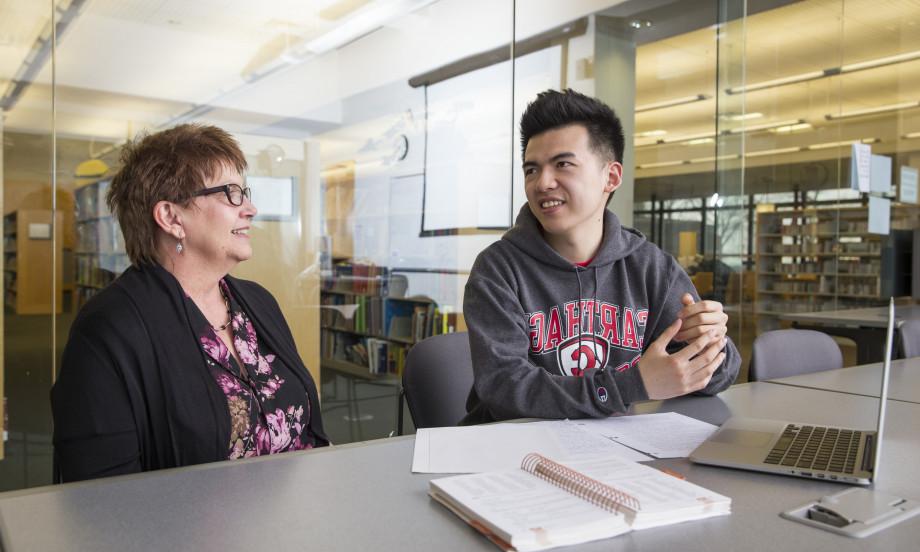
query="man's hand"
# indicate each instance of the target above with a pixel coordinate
(701, 318)
(687, 370)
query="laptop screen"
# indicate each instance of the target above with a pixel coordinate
(883, 399)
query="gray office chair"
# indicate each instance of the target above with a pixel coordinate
(784, 353)
(437, 380)
(909, 338)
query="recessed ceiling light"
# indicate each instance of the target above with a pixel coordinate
(650, 133)
(640, 23)
(910, 135)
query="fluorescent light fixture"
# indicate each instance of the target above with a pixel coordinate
(777, 151)
(792, 128)
(910, 135)
(659, 165)
(812, 75)
(363, 22)
(353, 27)
(764, 126)
(687, 138)
(708, 137)
(672, 103)
(714, 158)
(872, 110)
(762, 153)
(651, 133)
(842, 143)
(880, 62)
(38, 55)
(743, 116)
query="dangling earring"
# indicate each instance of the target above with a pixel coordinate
(179, 247)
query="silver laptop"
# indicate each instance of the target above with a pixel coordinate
(804, 450)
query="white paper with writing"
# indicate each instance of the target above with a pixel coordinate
(665, 435)
(493, 447)
(860, 167)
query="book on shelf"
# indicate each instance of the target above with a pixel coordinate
(545, 504)
(422, 321)
(447, 321)
(358, 278)
(378, 356)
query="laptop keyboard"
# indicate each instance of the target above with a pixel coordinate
(817, 448)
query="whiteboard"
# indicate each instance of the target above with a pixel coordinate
(472, 168)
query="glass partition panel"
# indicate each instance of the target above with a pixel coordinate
(819, 72)
(383, 151)
(29, 232)
(378, 138)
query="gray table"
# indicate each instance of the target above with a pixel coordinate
(864, 326)
(363, 497)
(865, 380)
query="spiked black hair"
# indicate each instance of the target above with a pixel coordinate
(553, 109)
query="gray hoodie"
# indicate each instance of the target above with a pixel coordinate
(533, 317)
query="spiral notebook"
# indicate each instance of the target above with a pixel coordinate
(545, 504)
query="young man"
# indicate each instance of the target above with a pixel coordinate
(570, 314)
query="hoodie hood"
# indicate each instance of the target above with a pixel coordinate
(618, 242)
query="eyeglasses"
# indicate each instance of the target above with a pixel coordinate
(235, 193)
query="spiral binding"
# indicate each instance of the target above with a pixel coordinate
(580, 485)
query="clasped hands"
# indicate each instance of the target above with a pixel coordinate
(703, 326)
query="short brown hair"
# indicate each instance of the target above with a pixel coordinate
(166, 166)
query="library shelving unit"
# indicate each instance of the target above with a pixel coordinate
(100, 250)
(27, 261)
(366, 330)
(821, 259)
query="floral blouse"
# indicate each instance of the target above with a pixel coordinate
(269, 408)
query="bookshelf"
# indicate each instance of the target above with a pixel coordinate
(100, 255)
(820, 259)
(27, 261)
(367, 331)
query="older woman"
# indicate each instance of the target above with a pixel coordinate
(176, 362)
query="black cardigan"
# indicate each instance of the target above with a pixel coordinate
(134, 393)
